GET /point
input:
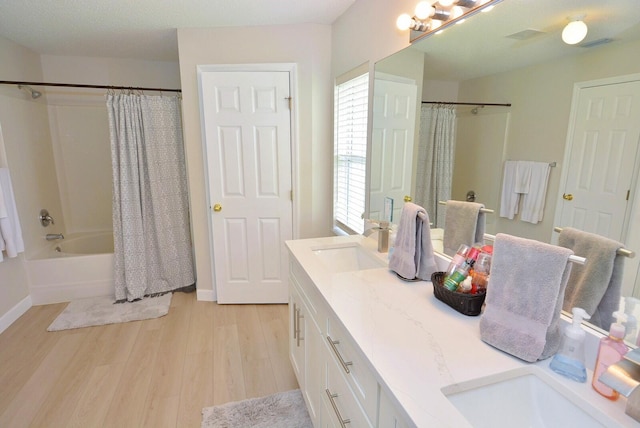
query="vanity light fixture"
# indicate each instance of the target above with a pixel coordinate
(575, 31)
(432, 15)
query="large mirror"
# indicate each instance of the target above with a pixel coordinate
(512, 55)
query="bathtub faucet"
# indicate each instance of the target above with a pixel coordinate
(54, 236)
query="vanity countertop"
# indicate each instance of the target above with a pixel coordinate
(416, 344)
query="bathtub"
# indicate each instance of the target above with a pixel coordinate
(78, 267)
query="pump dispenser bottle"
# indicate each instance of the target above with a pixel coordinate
(631, 324)
(569, 361)
(611, 350)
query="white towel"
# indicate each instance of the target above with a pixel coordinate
(524, 297)
(523, 177)
(509, 197)
(464, 223)
(412, 255)
(533, 200)
(595, 286)
(10, 232)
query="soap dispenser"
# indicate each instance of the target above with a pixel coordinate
(610, 351)
(569, 361)
(631, 325)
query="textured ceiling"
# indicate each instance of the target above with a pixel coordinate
(144, 29)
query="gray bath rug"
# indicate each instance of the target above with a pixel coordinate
(282, 410)
(102, 310)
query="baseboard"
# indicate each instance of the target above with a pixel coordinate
(205, 295)
(14, 313)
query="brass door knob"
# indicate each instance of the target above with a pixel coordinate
(217, 208)
(407, 198)
(567, 196)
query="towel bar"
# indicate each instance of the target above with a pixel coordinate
(573, 258)
(482, 210)
(620, 252)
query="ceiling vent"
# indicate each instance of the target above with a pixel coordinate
(595, 43)
(525, 34)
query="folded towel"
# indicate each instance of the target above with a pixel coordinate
(10, 232)
(595, 286)
(524, 297)
(533, 200)
(509, 198)
(464, 224)
(412, 255)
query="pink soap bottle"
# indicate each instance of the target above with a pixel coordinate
(610, 351)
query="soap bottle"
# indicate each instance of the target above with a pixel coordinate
(631, 325)
(569, 361)
(460, 274)
(610, 351)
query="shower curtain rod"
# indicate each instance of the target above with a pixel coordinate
(76, 85)
(467, 104)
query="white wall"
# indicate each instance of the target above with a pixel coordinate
(309, 47)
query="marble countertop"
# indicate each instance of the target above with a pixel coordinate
(415, 344)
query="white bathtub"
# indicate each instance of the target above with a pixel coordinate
(77, 267)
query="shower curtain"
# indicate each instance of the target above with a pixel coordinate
(435, 159)
(152, 240)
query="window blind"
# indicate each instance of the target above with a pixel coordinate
(350, 151)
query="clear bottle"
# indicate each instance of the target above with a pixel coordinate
(610, 351)
(569, 361)
(458, 259)
(631, 324)
(453, 281)
(480, 275)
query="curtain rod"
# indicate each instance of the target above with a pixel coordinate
(76, 85)
(467, 104)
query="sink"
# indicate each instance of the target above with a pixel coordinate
(522, 397)
(348, 257)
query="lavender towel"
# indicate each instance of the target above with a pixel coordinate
(595, 286)
(412, 255)
(524, 297)
(463, 224)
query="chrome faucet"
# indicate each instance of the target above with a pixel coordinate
(383, 234)
(54, 236)
(624, 377)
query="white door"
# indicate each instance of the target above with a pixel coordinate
(600, 167)
(394, 116)
(247, 125)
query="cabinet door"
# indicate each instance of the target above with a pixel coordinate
(346, 410)
(315, 376)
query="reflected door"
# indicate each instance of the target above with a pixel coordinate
(247, 129)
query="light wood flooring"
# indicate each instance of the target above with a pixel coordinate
(153, 373)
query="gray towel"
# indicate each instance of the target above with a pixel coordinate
(412, 255)
(463, 224)
(595, 286)
(524, 297)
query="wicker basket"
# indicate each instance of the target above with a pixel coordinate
(467, 304)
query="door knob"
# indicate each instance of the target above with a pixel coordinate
(217, 208)
(567, 196)
(407, 198)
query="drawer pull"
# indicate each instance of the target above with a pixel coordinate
(343, 422)
(299, 330)
(345, 364)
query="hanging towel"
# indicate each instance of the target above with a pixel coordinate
(509, 198)
(523, 177)
(463, 224)
(533, 200)
(412, 255)
(10, 232)
(524, 297)
(595, 286)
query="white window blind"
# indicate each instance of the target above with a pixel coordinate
(350, 152)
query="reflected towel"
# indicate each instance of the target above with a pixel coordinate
(509, 198)
(533, 200)
(10, 232)
(463, 224)
(412, 255)
(595, 286)
(524, 297)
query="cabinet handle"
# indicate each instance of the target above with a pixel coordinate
(345, 364)
(343, 422)
(295, 321)
(298, 336)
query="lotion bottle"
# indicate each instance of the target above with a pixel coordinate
(569, 361)
(610, 351)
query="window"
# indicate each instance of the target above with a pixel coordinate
(350, 152)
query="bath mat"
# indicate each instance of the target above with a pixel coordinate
(102, 310)
(282, 410)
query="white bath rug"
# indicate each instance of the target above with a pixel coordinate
(102, 310)
(282, 410)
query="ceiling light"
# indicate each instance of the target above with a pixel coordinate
(574, 32)
(424, 10)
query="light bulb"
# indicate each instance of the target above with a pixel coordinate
(404, 22)
(445, 3)
(424, 10)
(574, 32)
(456, 12)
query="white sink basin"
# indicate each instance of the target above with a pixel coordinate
(347, 257)
(522, 398)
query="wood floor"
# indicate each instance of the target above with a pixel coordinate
(153, 373)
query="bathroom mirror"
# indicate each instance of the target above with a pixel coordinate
(511, 55)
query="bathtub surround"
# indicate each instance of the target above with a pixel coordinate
(152, 239)
(103, 310)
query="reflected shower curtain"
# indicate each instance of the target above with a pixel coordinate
(435, 159)
(152, 239)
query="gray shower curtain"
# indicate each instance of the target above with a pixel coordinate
(152, 239)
